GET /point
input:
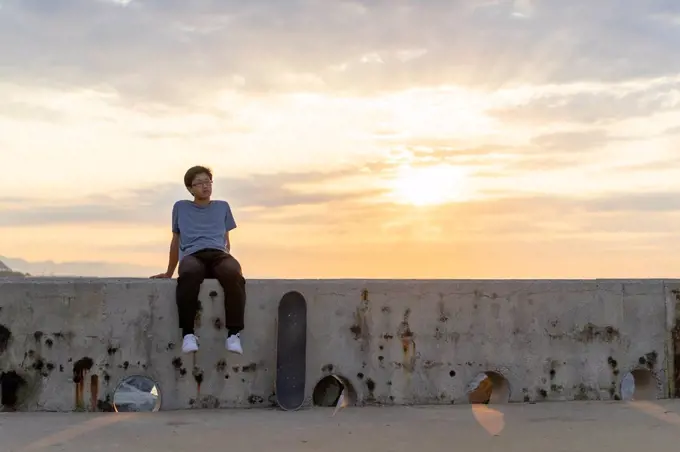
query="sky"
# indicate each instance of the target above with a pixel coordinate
(352, 139)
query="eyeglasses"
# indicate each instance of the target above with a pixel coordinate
(207, 183)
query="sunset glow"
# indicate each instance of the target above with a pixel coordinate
(352, 139)
(430, 185)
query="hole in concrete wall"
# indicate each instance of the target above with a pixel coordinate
(640, 384)
(10, 385)
(328, 390)
(489, 388)
(5, 336)
(137, 393)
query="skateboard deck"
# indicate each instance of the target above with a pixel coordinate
(291, 351)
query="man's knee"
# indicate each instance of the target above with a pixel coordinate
(191, 266)
(229, 267)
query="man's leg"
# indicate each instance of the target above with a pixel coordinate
(191, 276)
(228, 272)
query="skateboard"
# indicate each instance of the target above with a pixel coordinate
(291, 351)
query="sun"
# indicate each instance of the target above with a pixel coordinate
(428, 185)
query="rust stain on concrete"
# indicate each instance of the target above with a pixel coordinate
(80, 369)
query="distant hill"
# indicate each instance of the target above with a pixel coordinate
(6, 272)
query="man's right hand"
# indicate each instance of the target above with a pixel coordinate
(165, 275)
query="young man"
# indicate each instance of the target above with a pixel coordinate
(200, 243)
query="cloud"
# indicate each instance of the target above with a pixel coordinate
(152, 205)
(26, 111)
(267, 200)
(544, 152)
(625, 219)
(362, 189)
(84, 268)
(640, 203)
(559, 151)
(656, 166)
(205, 46)
(549, 235)
(594, 103)
(578, 142)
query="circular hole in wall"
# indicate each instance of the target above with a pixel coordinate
(328, 390)
(137, 393)
(12, 391)
(639, 384)
(489, 388)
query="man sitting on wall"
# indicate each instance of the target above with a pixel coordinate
(200, 243)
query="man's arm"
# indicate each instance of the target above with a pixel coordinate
(173, 258)
(229, 225)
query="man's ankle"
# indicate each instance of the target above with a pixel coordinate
(232, 331)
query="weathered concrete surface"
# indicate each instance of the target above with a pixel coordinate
(573, 427)
(397, 342)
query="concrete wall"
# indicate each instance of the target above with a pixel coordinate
(401, 342)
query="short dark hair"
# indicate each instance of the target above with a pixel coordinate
(194, 171)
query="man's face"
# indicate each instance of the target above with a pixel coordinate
(201, 187)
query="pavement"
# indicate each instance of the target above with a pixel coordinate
(543, 427)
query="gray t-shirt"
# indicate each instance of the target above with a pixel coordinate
(201, 227)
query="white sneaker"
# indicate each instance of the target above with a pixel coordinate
(233, 344)
(190, 344)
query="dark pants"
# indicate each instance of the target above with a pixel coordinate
(217, 264)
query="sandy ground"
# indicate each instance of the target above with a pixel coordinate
(547, 427)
